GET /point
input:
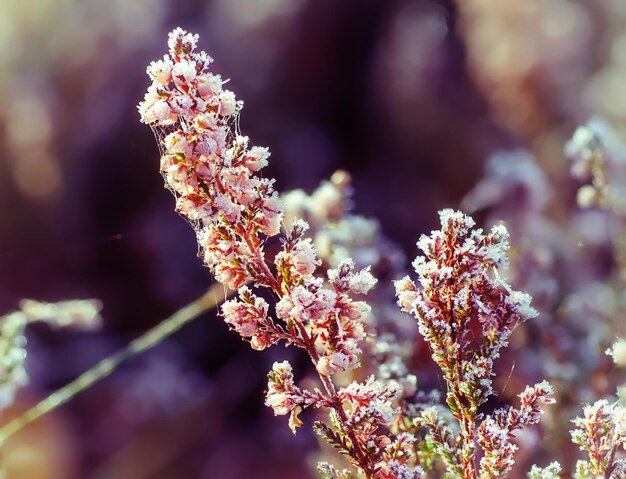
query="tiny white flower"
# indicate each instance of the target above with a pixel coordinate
(228, 103)
(161, 71)
(362, 281)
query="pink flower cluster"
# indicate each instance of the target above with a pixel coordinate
(324, 320)
(248, 316)
(496, 432)
(371, 404)
(212, 172)
(210, 169)
(284, 397)
(370, 411)
(398, 465)
(334, 320)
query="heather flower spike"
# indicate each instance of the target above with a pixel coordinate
(209, 167)
(601, 433)
(213, 172)
(466, 312)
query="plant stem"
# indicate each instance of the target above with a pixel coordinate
(329, 386)
(209, 300)
(359, 456)
(468, 434)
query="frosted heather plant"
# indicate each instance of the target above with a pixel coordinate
(83, 314)
(213, 172)
(601, 433)
(466, 312)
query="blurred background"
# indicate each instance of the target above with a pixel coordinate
(410, 96)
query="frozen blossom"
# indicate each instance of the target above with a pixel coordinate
(601, 433)
(460, 292)
(406, 292)
(373, 398)
(328, 471)
(396, 470)
(207, 165)
(160, 71)
(521, 302)
(362, 281)
(299, 257)
(460, 287)
(181, 43)
(307, 302)
(344, 277)
(282, 395)
(247, 316)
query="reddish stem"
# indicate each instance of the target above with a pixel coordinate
(273, 284)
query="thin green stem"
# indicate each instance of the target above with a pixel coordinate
(213, 297)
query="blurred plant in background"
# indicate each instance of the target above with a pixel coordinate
(48, 47)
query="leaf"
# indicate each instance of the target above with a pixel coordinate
(336, 440)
